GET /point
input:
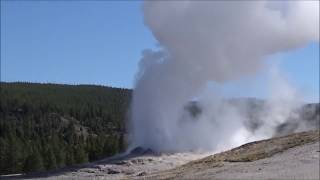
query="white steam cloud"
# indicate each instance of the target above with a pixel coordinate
(211, 41)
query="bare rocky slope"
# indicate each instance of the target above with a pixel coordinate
(294, 156)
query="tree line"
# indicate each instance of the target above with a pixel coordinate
(48, 126)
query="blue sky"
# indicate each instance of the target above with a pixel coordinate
(83, 42)
(72, 42)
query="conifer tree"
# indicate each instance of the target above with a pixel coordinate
(34, 162)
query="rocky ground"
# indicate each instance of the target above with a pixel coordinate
(294, 156)
(290, 157)
(136, 164)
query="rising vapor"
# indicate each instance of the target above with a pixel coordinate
(211, 41)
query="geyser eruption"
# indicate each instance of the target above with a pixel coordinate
(202, 42)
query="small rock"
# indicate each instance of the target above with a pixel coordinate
(88, 170)
(113, 171)
(99, 167)
(134, 161)
(142, 173)
(120, 163)
(128, 163)
(128, 172)
(137, 161)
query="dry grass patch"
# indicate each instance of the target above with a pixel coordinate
(261, 149)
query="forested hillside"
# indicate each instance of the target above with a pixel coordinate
(47, 126)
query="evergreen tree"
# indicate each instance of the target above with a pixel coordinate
(69, 156)
(4, 156)
(50, 159)
(34, 162)
(14, 155)
(80, 156)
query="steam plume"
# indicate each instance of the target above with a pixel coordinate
(201, 42)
